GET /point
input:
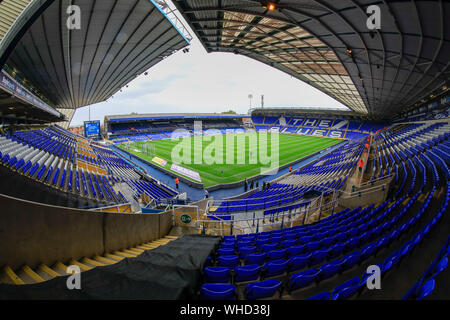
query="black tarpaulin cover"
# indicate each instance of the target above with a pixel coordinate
(172, 271)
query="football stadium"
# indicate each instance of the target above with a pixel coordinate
(274, 203)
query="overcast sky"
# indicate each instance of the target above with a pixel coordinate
(202, 82)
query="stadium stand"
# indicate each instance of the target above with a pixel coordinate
(298, 262)
(148, 127)
(323, 127)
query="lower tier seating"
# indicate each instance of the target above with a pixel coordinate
(329, 259)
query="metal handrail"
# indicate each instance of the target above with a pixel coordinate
(310, 205)
(267, 204)
(391, 175)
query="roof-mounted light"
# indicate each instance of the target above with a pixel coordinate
(271, 6)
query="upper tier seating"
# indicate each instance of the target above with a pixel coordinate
(326, 127)
(144, 130)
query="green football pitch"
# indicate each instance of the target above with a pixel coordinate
(241, 155)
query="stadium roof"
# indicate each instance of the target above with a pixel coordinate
(18, 104)
(168, 116)
(117, 41)
(328, 44)
(9, 11)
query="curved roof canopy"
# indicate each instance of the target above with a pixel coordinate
(328, 44)
(117, 41)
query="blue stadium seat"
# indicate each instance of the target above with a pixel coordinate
(330, 269)
(249, 272)
(269, 247)
(274, 268)
(426, 289)
(256, 258)
(228, 245)
(295, 250)
(276, 254)
(217, 274)
(336, 250)
(312, 246)
(228, 261)
(350, 260)
(298, 262)
(368, 251)
(302, 279)
(245, 251)
(288, 243)
(319, 256)
(225, 252)
(320, 296)
(347, 289)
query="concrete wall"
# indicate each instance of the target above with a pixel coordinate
(128, 230)
(33, 233)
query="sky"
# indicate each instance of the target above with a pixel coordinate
(201, 82)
